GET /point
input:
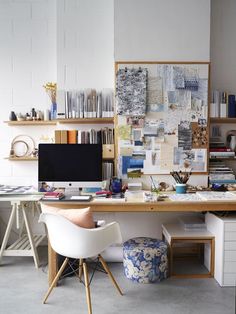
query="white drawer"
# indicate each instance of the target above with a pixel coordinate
(229, 279)
(230, 245)
(230, 236)
(230, 267)
(230, 256)
(230, 226)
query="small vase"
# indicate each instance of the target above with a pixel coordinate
(12, 116)
(232, 142)
(53, 111)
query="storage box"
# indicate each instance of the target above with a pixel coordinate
(108, 151)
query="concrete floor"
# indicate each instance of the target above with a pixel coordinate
(22, 288)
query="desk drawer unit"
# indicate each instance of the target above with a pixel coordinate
(224, 229)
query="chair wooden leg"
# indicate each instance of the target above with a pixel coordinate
(80, 268)
(55, 280)
(104, 264)
(86, 281)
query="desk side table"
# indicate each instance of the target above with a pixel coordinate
(175, 233)
(26, 244)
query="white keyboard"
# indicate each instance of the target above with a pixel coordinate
(81, 197)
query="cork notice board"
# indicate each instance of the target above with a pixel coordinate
(162, 119)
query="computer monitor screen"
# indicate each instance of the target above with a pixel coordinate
(70, 165)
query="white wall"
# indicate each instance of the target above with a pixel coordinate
(223, 45)
(162, 30)
(85, 50)
(27, 61)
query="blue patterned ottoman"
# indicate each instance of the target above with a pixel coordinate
(145, 259)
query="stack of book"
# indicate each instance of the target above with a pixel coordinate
(218, 149)
(53, 196)
(220, 173)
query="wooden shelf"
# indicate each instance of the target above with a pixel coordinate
(26, 158)
(87, 120)
(223, 120)
(64, 121)
(51, 122)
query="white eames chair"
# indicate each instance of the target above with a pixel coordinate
(75, 242)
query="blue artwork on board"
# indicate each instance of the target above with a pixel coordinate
(136, 163)
(125, 163)
(129, 162)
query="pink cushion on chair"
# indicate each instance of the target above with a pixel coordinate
(80, 217)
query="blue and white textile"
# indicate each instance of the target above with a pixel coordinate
(145, 259)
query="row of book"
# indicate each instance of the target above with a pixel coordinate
(222, 105)
(220, 173)
(219, 149)
(91, 136)
(86, 103)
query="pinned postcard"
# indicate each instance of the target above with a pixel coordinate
(135, 122)
(151, 164)
(199, 135)
(126, 151)
(134, 173)
(185, 135)
(124, 132)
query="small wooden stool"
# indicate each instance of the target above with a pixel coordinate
(175, 233)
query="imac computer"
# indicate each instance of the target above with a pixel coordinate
(70, 166)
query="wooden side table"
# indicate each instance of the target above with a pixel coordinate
(26, 244)
(175, 233)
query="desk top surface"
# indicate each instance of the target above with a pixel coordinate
(20, 197)
(114, 205)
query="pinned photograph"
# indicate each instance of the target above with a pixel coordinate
(131, 90)
(185, 135)
(134, 173)
(135, 122)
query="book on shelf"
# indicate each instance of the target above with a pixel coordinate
(222, 154)
(231, 106)
(222, 176)
(220, 149)
(233, 181)
(72, 136)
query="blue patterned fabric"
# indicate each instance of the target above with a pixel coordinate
(145, 259)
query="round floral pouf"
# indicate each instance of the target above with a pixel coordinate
(145, 259)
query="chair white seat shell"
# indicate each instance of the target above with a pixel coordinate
(72, 241)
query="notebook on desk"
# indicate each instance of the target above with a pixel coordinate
(79, 198)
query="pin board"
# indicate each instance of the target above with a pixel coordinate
(162, 121)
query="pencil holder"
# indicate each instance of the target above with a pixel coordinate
(180, 188)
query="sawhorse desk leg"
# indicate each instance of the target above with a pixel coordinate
(8, 230)
(19, 249)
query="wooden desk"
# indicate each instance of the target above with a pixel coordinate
(114, 206)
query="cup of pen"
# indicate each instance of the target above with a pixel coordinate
(181, 179)
(180, 188)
